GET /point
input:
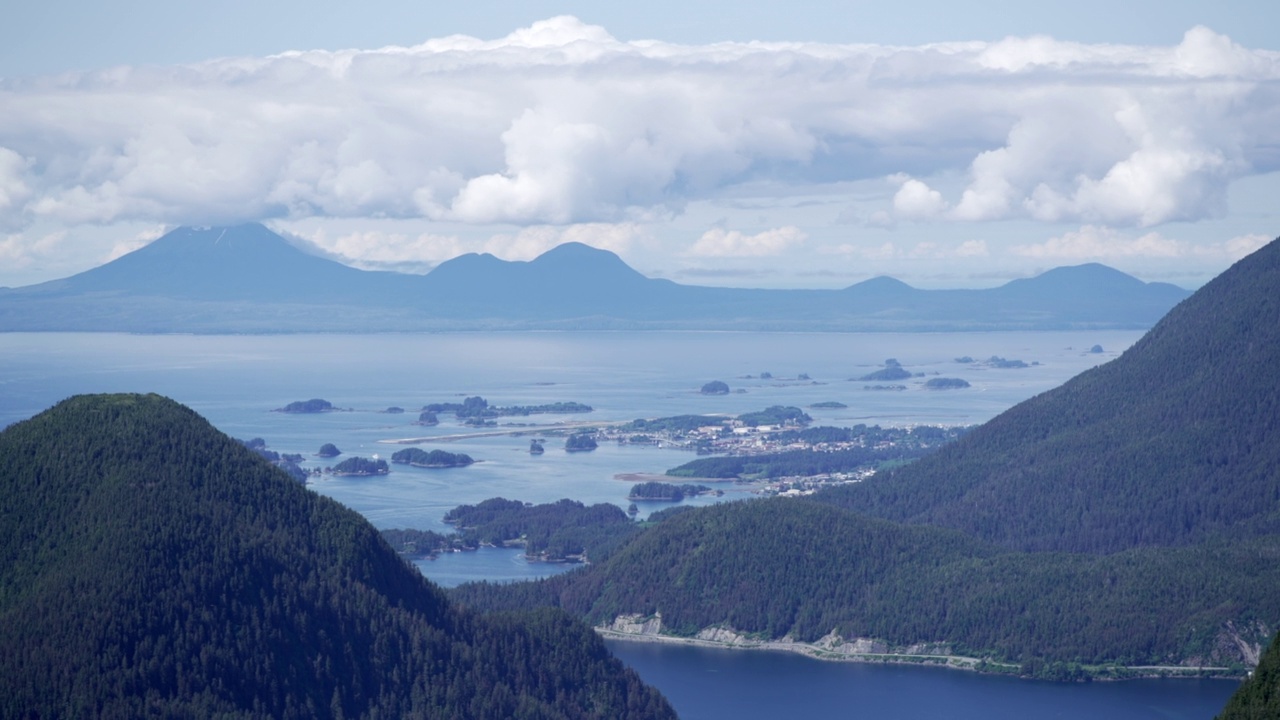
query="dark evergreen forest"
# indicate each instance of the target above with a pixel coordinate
(1259, 697)
(151, 566)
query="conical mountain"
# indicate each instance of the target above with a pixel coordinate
(242, 263)
(151, 566)
(1173, 442)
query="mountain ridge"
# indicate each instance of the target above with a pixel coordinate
(249, 279)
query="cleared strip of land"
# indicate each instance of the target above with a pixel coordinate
(508, 431)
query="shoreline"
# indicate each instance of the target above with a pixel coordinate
(1108, 673)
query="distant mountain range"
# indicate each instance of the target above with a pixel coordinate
(249, 279)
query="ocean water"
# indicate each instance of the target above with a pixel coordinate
(236, 381)
(709, 684)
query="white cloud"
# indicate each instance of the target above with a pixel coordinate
(13, 188)
(124, 247)
(917, 201)
(530, 242)
(1100, 243)
(20, 250)
(883, 251)
(561, 124)
(380, 249)
(377, 249)
(1092, 242)
(718, 242)
(1238, 247)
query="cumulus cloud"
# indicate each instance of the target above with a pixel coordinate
(560, 124)
(374, 249)
(1238, 247)
(531, 242)
(377, 249)
(718, 242)
(917, 201)
(1092, 242)
(972, 248)
(19, 250)
(883, 251)
(1101, 243)
(126, 246)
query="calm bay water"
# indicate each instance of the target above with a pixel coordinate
(235, 382)
(709, 684)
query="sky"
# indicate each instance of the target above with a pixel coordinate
(749, 144)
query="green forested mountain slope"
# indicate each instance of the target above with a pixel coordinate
(796, 567)
(1131, 516)
(151, 566)
(1175, 441)
(1259, 697)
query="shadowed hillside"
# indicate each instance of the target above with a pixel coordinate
(1173, 442)
(151, 566)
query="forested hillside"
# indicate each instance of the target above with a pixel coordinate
(784, 567)
(1259, 697)
(151, 566)
(1131, 516)
(1173, 442)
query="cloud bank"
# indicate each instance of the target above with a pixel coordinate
(560, 123)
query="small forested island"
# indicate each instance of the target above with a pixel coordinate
(394, 410)
(715, 387)
(433, 459)
(563, 531)
(328, 450)
(884, 387)
(535, 447)
(361, 467)
(892, 370)
(674, 424)
(428, 418)
(476, 407)
(708, 433)
(580, 442)
(829, 405)
(775, 415)
(1096, 349)
(423, 543)
(942, 383)
(314, 405)
(998, 362)
(670, 492)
